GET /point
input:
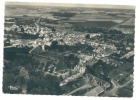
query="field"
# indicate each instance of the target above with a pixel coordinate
(130, 86)
(91, 16)
(101, 24)
(122, 73)
(101, 20)
(130, 22)
(126, 26)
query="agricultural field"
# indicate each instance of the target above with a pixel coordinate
(127, 27)
(100, 24)
(91, 16)
(100, 20)
(130, 22)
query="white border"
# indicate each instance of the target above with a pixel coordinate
(37, 97)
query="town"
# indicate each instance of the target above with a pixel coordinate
(76, 51)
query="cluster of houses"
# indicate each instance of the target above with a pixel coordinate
(71, 74)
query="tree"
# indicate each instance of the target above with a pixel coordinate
(124, 92)
(22, 29)
(54, 44)
(53, 84)
(8, 79)
(71, 61)
(15, 29)
(39, 91)
(87, 36)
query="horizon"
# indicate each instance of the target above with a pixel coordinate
(105, 6)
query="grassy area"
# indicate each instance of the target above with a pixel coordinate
(130, 85)
(122, 73)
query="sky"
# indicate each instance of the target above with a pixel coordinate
(72, 5)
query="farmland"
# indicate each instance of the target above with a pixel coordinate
(99, 20)
(127, 27)
(102, 24)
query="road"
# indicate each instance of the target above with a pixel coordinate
(86, 86)
(121, 23)
(95, 92)
(126, 83)
(9, 46)
(116, 86)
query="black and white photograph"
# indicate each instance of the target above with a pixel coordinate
(66, 49)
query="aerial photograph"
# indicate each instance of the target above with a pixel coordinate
(68, 49)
